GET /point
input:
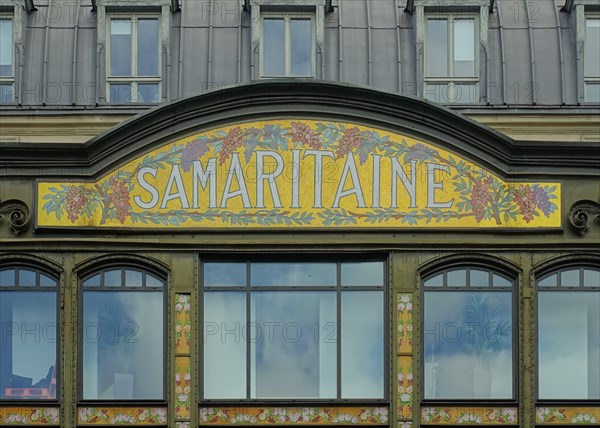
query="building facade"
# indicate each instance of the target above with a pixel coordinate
(334, 213)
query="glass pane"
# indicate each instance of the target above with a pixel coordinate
(293, 274)
(591, 278)
(464, 47)
(437, 48)
(592, 93)
(148, 92)
(147, 54)
(112, 278)
(592, 48)
(120, 47)
(301, 47)
(457, 278)
(436, 281)
(479, 278)
(464, 93)
(6, 47)
(122, 345)
(26, 278)
(293, 342)
(120, 93)
(367, 273)
(468, 345)
(223, 274)
(46, 281)
(28, 351)
(550, 281)
(362, 344)
(569, 278)
(133, 278)
(569, 345)
(6, 93)
(152, 281)
(93, 281)
(273, 47)
(7, 278)
(224, 333)
(500, 281)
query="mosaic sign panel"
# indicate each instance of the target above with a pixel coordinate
(299, 174)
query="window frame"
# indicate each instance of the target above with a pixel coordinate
(10, 80)
(134, 79)
(542, 274)
(493, 269)
(452, 80)
(287, 17)
(58, 345)
(338, 288)
(124, 266)
(589, 79)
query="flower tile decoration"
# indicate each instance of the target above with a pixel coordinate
(29, 416)
(404, 309)
(405, 388)
(182, 323)
(294, 415)
(586, 416)
(122, 416)
(469, 415)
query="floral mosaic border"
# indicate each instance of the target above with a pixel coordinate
(568, 415)
(404, 307)
(469, 415)
(294, 415)
(29, 415)
(405, 388)
(183, 325)
(121, 416)
(183, 388)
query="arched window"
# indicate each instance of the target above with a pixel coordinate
(123, 335)
(468, 334)
(569, 333)
(28, 345)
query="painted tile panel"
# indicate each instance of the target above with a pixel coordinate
(294, 415)
(587, 416)
(29, 416)
(122, 416)
(469, 415)
(183, 400)
(404, 309)
(405, 388)
(182, 324)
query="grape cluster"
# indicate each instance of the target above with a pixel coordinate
(119, 198)
(232, 141)
(481, 195)
(350, 141)
(542, 200)
(301, 133)
(525, 198)
(193, 151)
(74, 203)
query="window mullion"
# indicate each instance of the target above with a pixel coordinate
(287, 45)
(134, 56)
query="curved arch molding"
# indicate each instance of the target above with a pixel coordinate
(303, 174)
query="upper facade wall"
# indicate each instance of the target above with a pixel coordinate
(523, 59)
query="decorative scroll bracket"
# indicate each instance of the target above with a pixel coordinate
(582, 213)
(16, 213)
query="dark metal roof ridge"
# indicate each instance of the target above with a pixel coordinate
(308, 98)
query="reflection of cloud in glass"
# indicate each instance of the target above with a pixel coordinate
(224, 345)
(289, 359)
(293, 274)
(468, 345)
(362, 344)
(569, 345)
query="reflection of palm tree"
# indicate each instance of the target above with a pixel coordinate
(487, 325)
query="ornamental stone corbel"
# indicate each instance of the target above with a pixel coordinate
(16, 214)
(582, 213)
